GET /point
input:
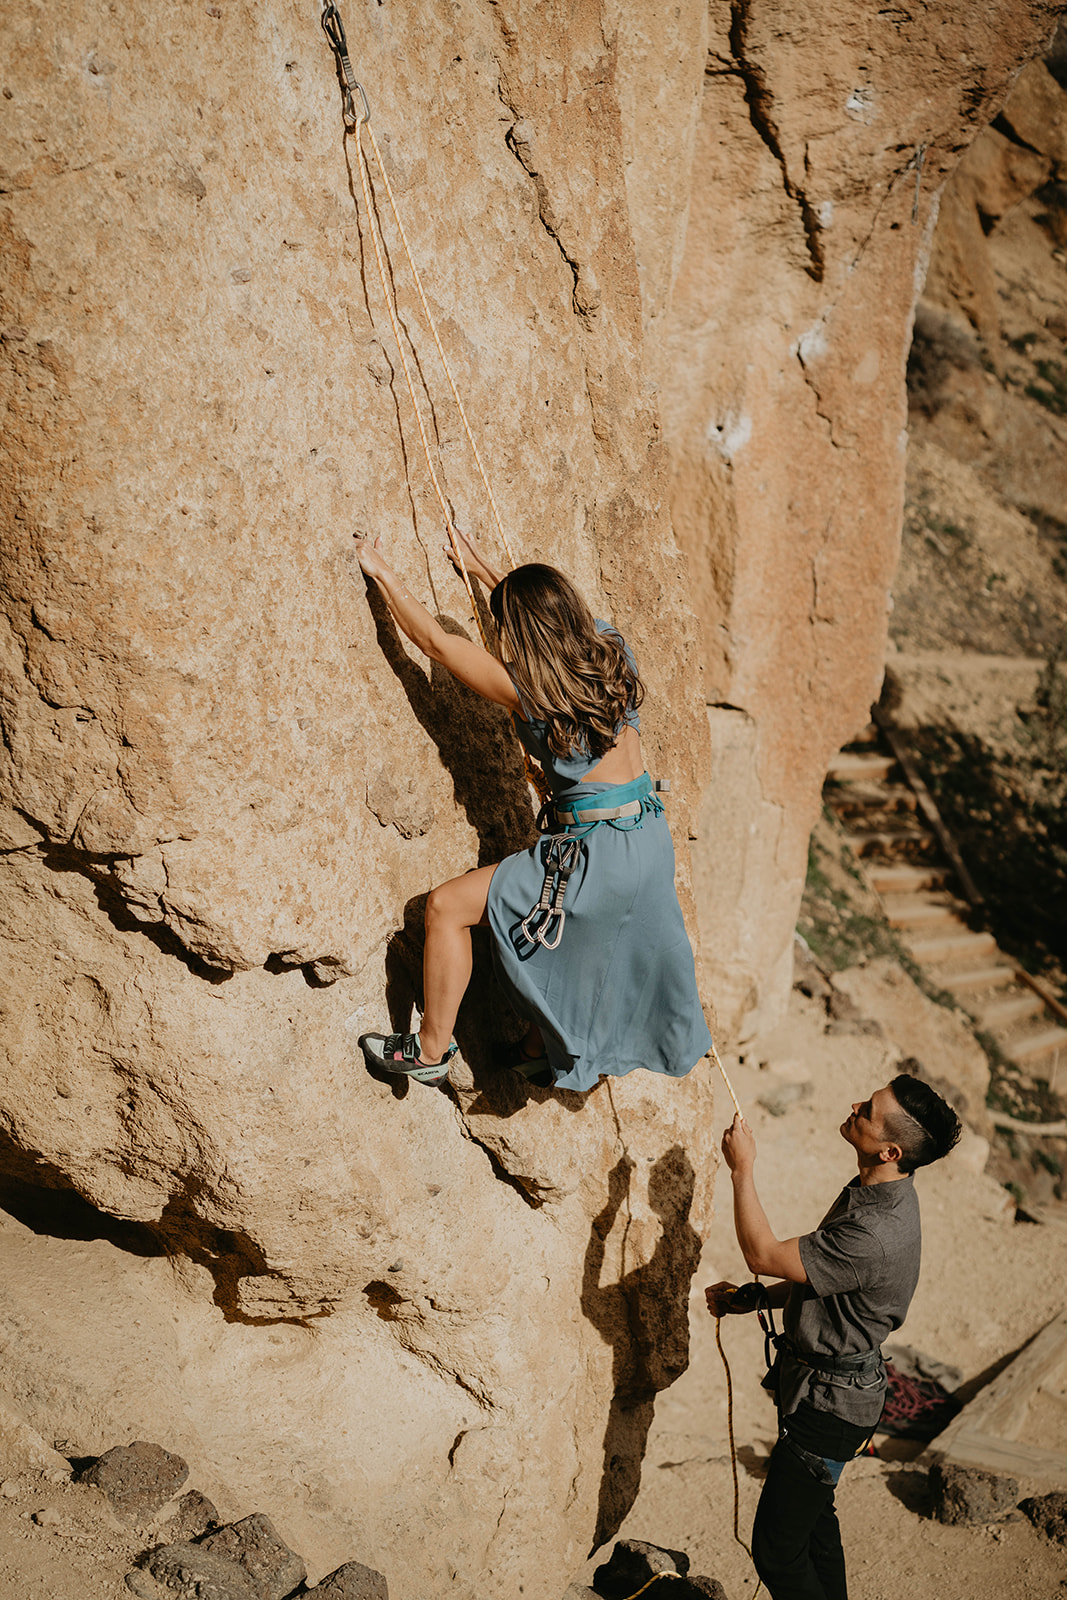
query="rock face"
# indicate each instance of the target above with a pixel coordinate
(673, 258)
(823, 140)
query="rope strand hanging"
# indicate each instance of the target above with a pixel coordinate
(356, 120)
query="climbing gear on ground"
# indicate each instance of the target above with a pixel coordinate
(399, 1053)
(916, 1408)
(536, 1069)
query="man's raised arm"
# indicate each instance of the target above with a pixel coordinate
(765, 1255)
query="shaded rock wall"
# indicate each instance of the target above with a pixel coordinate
(225, 782)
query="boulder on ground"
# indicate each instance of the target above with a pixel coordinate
(194, 1516)
(254, 1545)
(966, 1494)
(1048, 1513)
(353, 1581)
(189, 1572)
(631, 1564)
(137, 1478)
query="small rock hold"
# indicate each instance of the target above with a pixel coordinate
(241, 275)
(9, 1489)
(47, 1517)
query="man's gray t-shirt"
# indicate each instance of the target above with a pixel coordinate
(862, 1263)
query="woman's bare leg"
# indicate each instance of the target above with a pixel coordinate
(452, 910)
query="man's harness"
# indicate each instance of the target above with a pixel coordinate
(563, 850)
(754, 1297)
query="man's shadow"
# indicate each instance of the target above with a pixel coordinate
(645, 1319)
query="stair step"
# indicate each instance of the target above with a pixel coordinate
(1003, 1013)
(863, 841)
(903, 880)
(852, 767)
(956, 944)
(976, 978)
(1038, 1044)
(922, 914)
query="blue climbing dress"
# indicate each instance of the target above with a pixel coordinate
(620, 990)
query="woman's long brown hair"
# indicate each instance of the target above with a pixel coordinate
(568, 674)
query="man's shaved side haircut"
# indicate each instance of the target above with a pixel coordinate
(928, 1128)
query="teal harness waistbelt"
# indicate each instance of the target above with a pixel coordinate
(627, 801)
(544, 924)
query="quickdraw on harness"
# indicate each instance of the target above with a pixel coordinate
(563, 851)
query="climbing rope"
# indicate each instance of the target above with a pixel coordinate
(733, 1448)
(357, 121)
(715, 1057)
(654, 1579)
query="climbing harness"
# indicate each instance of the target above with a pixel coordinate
(563, 851)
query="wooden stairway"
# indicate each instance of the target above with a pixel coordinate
(912, 863)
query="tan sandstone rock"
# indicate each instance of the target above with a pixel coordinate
(673, 258)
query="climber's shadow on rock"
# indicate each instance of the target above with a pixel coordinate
(473, 738)
(645, 1319)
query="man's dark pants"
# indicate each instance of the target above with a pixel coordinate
(796, 1541)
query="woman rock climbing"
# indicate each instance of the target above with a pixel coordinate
(588, 937)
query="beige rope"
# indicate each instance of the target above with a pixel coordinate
(364, 179)
(433, 329)
(737, 1104)
(733, 1447)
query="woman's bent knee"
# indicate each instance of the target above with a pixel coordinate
(460, 902)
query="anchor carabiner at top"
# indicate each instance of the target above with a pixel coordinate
(334, 29)
(561, 859)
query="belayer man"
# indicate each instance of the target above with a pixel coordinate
(845, 1287)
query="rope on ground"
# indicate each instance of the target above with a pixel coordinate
(654, 1579)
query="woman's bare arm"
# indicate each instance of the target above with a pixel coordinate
(474, 560)
(466, 661)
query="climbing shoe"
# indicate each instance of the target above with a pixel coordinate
(535, 1069)
(399, 1053)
